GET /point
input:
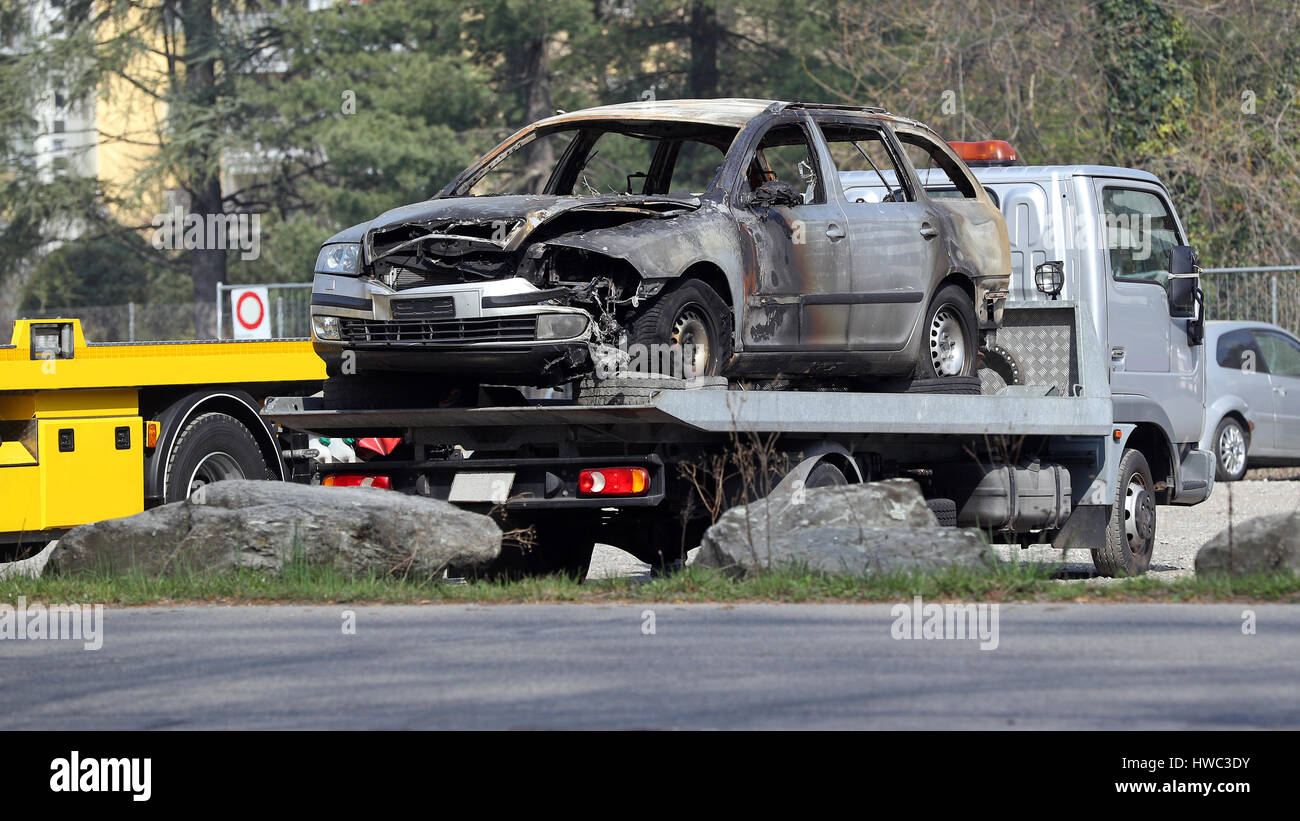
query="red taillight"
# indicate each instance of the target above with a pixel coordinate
(985, 152)
(357, 480)
(614, 482)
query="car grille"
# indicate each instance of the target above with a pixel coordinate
(496, 329)
(438, 307)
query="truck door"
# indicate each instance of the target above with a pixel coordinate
(795, 254)
(1150, 354)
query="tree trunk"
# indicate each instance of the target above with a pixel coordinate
(202, 176)
(536, 69)
(705, 34)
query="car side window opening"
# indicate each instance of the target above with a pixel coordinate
(1140, 231)
(1280, 354)
(1237, 350)
(785, 155)
(937, 170)
(861, 152)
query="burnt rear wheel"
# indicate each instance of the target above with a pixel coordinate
(949, 347)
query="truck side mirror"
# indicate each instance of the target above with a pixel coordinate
(1184, 281)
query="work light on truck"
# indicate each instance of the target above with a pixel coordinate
(52, 340)
(614, 482)
(1049, 277)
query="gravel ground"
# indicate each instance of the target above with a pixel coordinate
(1180, 532)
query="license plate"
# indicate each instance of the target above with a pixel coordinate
(481, 487)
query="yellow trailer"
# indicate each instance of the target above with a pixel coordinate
(96, 431)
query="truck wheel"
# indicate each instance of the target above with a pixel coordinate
(825, 474)
(1230, 445)
(949, 347)
(1131, 533)
(944, 510)
(688, 312)
(212, 447)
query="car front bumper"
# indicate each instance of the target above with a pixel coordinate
(489, 330)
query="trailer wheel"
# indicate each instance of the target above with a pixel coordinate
(212, 447)
(1131, 532)
(944, 510)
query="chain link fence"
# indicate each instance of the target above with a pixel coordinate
(288, 312)
(1270, 294)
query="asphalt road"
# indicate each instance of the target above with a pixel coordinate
(705, 666)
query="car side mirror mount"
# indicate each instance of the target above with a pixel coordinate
(775, 193)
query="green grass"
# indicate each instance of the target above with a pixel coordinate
(302, 584)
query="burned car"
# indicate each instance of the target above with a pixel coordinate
(718, 227)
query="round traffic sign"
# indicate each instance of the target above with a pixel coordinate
(241, 314)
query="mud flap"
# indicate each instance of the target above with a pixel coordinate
(1085, 529)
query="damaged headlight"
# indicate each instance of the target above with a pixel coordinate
(325, 327)
(339, 258)
(561, 326)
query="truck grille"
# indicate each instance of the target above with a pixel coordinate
(496, 329)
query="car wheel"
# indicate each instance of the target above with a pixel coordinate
(1230, 445)
(687, 313)
(1131, 532)
(212, 447)
(949, 347)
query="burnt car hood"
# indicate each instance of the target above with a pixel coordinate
(521, 215)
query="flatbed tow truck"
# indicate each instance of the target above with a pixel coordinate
(1030, 463)
(98, 431)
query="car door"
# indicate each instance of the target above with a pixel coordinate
(894, 235)
(1281, 354)
(797, 255)
(1150, 351)
(1242, 372)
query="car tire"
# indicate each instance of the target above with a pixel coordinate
(687, 312)
(212, 447)
(1131, 531)
(959, 385)
(1231, 441)
(949, 345)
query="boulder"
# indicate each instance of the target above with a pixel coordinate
(263, 525)
(1261, 545)
(848, 530)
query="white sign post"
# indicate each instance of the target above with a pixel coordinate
(249, 315)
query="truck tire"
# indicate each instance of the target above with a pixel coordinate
(212, 447)
(1230, 445)
(825, 474)
(687, 312)
(1131, 532)
(949, 346)
(945, 510)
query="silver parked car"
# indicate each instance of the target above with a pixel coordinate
(1252, 410)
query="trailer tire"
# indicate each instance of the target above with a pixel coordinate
(1131, 531)
(950, 385)
(945, 510)
(212, 447)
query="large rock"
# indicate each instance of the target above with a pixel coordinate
(1261, 545)
(262, 525)
(851, 530)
